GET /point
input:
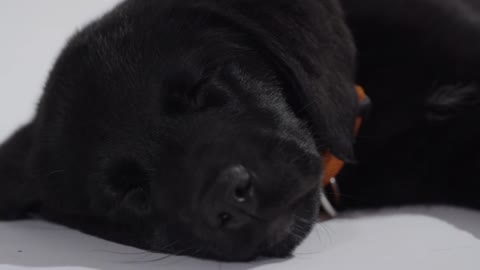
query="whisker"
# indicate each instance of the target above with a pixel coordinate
(163, 257)
(303, 220)
(170, 244)
(199, 250)
(123, 253)
(317, 234)
(307, 253)
(327, 231)
(55, 172)
(154, 260)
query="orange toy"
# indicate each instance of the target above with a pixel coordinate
(331, 164)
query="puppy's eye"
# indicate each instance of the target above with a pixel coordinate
(198, 99)
(206, 98)
(129, 182)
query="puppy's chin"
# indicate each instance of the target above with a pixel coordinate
(278, 239)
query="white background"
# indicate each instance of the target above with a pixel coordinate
(31, 35)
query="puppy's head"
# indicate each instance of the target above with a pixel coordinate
(196, 130)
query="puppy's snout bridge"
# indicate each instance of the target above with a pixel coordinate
(233, 198)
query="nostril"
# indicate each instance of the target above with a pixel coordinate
(232, 198)
(243, 190)
(241, 181)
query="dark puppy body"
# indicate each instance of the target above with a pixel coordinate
(198, 127)
(420, 63)
(190, 127)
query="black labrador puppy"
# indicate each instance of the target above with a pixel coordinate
(199, 127)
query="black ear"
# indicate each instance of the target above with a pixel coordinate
(17, 194)
(322, 92)
(314, 52)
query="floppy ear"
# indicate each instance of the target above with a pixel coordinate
(17, 194)
(323, 94)
(314, 52)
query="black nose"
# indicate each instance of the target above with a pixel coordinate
(233, 199)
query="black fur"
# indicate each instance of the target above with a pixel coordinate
(147, 106)
(419, 61)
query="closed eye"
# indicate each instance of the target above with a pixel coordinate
(199, 99)
(206, 97)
